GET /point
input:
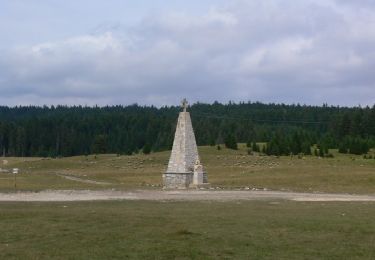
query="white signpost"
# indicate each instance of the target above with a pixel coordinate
(15, 172)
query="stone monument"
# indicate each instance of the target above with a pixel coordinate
(184, 167)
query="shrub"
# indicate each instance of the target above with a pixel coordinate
(146, 149)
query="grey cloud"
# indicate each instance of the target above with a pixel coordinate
(273, 51)
(360, 4)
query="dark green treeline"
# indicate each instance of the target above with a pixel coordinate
(67, 131)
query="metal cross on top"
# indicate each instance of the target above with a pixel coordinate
(184, 104)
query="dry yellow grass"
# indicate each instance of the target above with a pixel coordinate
(227, 169)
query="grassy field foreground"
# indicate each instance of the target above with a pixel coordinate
(226, 169)
(187, 230)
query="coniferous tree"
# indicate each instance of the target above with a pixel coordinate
(306, 148)
(230, 142)
(100, 144)
(343, 148)
(67, 131)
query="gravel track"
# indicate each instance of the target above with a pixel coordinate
(183, 195)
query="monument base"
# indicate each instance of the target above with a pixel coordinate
(177, 180)
(184, 180)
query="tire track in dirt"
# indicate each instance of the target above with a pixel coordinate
(73, 178)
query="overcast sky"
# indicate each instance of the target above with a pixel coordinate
(92, 52)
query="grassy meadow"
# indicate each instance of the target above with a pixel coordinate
(227, 169)
(187, 230)
(266, 229)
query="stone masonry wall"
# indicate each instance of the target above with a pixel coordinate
(184, 150)
(177, 180)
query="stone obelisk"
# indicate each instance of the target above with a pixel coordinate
(184, 168)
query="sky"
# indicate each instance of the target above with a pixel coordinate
(120, 52)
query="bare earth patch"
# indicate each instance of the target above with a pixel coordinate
(183, 195)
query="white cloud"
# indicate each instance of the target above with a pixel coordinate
(274, 51)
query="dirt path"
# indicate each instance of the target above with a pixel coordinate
(89, 195)
(72, 178)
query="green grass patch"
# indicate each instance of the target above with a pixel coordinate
(187, 230)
